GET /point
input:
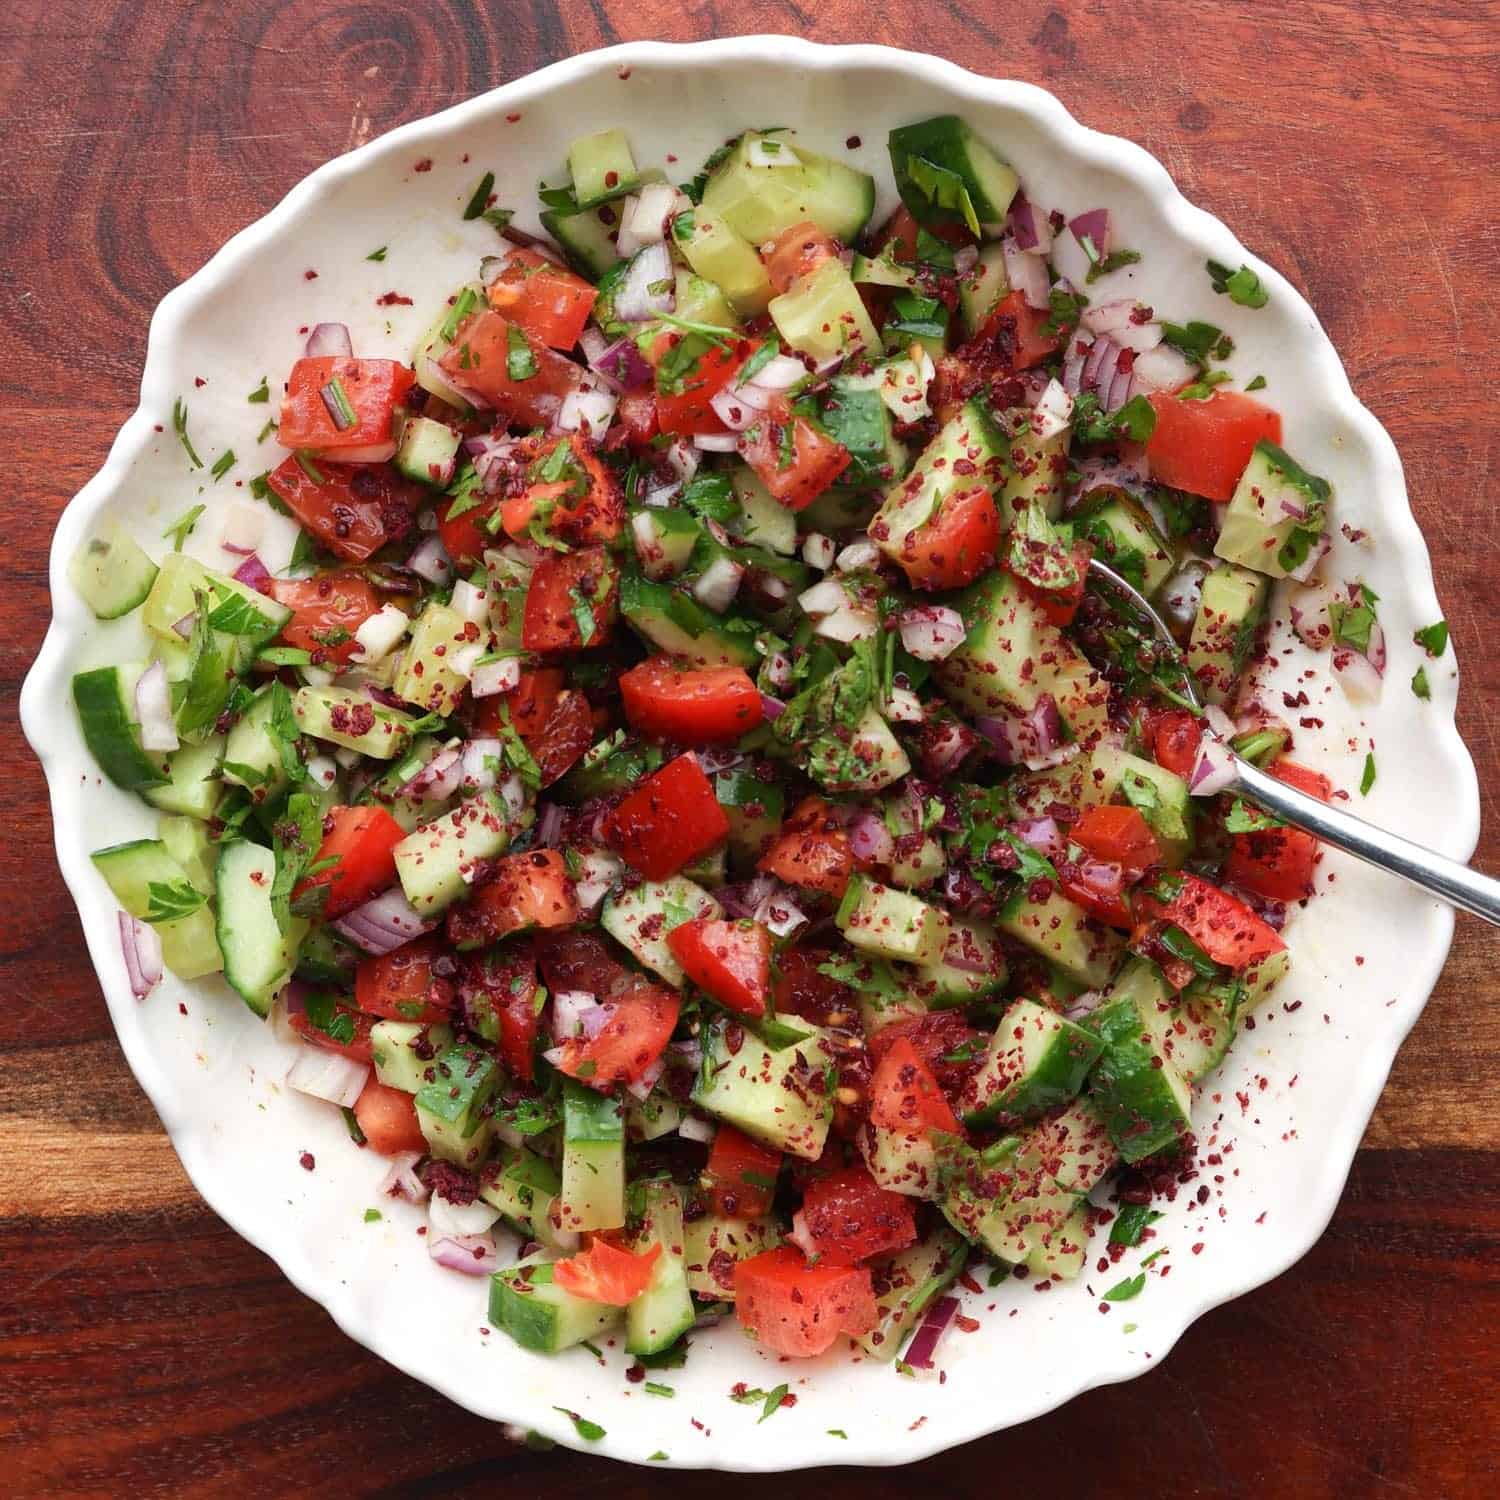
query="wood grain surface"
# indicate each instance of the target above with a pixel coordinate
(144, 1349)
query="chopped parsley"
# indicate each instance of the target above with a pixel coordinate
(1354, 619)
(373, 1216)
(261, 394)
(1419, 684)
(182, 528)
(770, 1400)
(1242, 286)
(1124, 1291)
(1242, 818)
(1131, 1223)
(590, 1432)
(1111, 262)
(1258, 384)
(520, 362)
(172, 900)
(655, 1388)
(1194, 339)
(1433, 639)
(180, 426)
(481, 197)
(223, 463)
(377, 254)
(1368, 779)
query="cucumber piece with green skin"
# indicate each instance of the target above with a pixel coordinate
(881, 270)
(451, 1109)
(919, 858)
(147, 881)
(763, 521)
(428, 676)
(976, 1197)
(1259, 981)
(710, 869)
(525, 1188)
(660, 1315)
(1036, 1060)
(408, 811)
(915, 319)
(1063, 934)
(907, 1283)
(970, 185)
(539, 1315)
(344, 717)
(174, 595)
(437, 863)
(901, 1162)
(187, 841)
(405, 1053)
(253, 756)
(1275, 515)
(1161, 795)
(971, 966)
(428, 451)
(1072, 1145)
(822, 315)
(664, 540)
(1145, 1102)
(871, 748)
(759, 202)
(602, 168)
(677, 624)
(324, 959)
(1038, 468)
(754, 808)
(1124, 536)
(889, 923)
(193, 786)
(712, 1246)
(593, 1160)
(105, 700)
(112, 574)
(258, 956)
(436, 342)
(856, 415)
(700, 300)
(651, 1118)
(719, 255)
(981, 289)
(1230, 609)
(838, 510)
(585, 238)
(639, 919)
(783, 1096)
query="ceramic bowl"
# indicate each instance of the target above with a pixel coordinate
(1366, 952)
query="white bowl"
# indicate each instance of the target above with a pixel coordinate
(1366, 953)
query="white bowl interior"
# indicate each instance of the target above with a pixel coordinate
(1289, 1108)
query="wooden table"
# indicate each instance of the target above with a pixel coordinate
(144, 1349)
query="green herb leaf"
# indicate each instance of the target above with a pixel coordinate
(261, 394)
(520, 362)
(654, 1388)
(337, 399)
(838, 1432)
(373, 1216)
(590, 1432)
(377, 254)
(1354, 619)
(179, 426)
(513, 747)
(234, 614)
(308, 467)
(463, 304)
(1194, 339)
(480, 199)
(772, 1403)
(1067, 308)
(182, 528)
(1419, 684)
(1112, 262)
(1368, 779)
(172, 900)
(1433, 639)
(1131, 1223)
(1258, 384)
(1242, 286)
(1243, 818)
(1124, 1291)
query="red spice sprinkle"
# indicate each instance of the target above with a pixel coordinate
(393, 299)
(611, 179)
(309, 275)
(1198, 1248)
(425, 165)
(511, 119)
(199, 381)
(624, 73)
(306, 1159)
(1261, 1218)
(181, 1008)
(853, 143)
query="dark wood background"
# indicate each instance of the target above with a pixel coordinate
(144, 1349)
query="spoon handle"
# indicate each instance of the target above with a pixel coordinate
(1436, 874)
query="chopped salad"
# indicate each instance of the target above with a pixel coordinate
(686, 800)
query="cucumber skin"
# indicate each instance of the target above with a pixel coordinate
(112, 737)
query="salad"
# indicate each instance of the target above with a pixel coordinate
(686, 800)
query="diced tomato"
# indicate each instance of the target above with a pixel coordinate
(899, 235)
(1120, 835)
(530, 704)
(327, 1022)
(580, 961)
(480, 361)
(1100, 887)
(811, 851)
(799, 1309)
(1277, 863)
(740, 1178)
(797, 252)
(1203, 446)
(943, 1039)
(527, 891)
(499, 994)
(800, 988)
(701, 706)
(465, 535)
(689, 412)
(562, 740)
(953, 547)
(731, 960)
(352, 510)
(404, 985)
(635, 420)
(326, 611)
(357, 855)
(388, 1118)
(551, 304)
(606, 1273)
(1059, 606)
(365, 392)
(795, 460)
(668, 821)
(628, 1043)
(1221, 925)
(1016, 328)
(905, 1096)
(1175, 736)
(581, 505)
(571, 601)
(847, 1217)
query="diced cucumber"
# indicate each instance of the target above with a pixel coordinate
(437, 863)
(525, 1188)
(754, 808)
(538, 1314)
(875, 759)
(1125, 536)
(344, 717)
(1064, 935)
(760, 201)
(1072, 1146)
(980, 290)
(1260, 980)
(651, 1118)
(710, 1237)
(702, 301)
(187, 841)
(174, 596)
(764, 520)
(889, 923)
(431, 674)
(1036, 1060)
(721, 256)
(147, 881)
(640, 917)
(451, 1109)
(907, 1283)
(324, 958)
(783, 1097)
(593, 1160)
(436, 342)
(919, 858)
(112, 574)
(677, 624)
(1230, 609)
(913, 320)
(258, 955)
(428, 451)
(664, 540)
(1038, 468)
(193, 786)
(405, 1053)
(105, 699)
(1275, 514)
(1054, 1226)
(1161, 796)
(602, 168)
(901, 1162)
(855, 414)
(657, 1318)
(971, 965)
(947, 175)
(253, 754)
(822, 315)
(882, 270)
(1196, 1034)
(587, 240)
(977, 1198)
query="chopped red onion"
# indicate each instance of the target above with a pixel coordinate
(1357, 675)
(931, 632)
(444, 1216)
(153, 709)
(823, 598)
(578, 1013)
(1219, 722)
(640, 1088)
(1041, 833)
(621, 362)
(1120, 319)
(329, 340)
(781, 915)
(383, 924)
(329, 1076)
(1053, 411)
(732, 409)
(1030, 225)
(587, 410)
(716, 758)
(1312, 616)
(646, 220)
(935, 1323)
(1084, 1005)
(184, 626)
(965, 258)
(682, 458)
(439, 778)
(869, 839)
(1099, 367)
(549, 823)
(719, 582)
(141, 945)
(473, 1254)
(1095, 227)
(771, 708)
(947, 747)
(1073, 364)
(254, 574)
(1214, 770)
(481, 760)
(635, 302)
(401, 1181)
(779, 373)
(431, 560)
(1122, 387)
(1020, 739)
(1027, 274)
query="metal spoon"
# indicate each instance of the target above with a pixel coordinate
(1436, 874)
